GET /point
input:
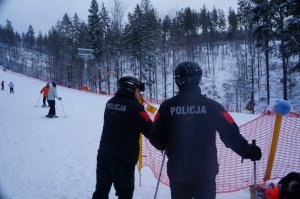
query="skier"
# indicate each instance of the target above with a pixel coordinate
(124, 119)
(185, 126)
(250, 105)
(52, 94)
(2, 85)
(45, 91)
(11, 87)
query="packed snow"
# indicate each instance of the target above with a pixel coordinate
(43, 158)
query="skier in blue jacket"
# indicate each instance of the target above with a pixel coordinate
(185, 126)
(52, 94)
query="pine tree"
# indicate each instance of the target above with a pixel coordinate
(1, 34)
(76, 30)
(45, 43)
(115, 37)
(245, 16)
(142, 39)
(54, 46)
(105, 23)
(18, 38)
(213, 35)
(232, 24)
(214, 27)
(292, 25)
(222, 29)
(95, 33)
(135, 38)
(262, 12)
(10, 41)
(9, 36)
(279, 16)
(64, 28)
(205, 24)
(77, 38)
(95, 38)
(153, 30)
(176, 42)
(165, 48)
(189, 22)
(30, 38)
(40, 42)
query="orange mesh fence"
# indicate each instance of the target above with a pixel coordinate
(234, 175)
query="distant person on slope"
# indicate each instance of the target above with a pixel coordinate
(185, 126)
(124, 119)
(45, 91)
(51, 100)
(2, 85)
(11, 87)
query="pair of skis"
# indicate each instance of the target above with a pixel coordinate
(64, 116)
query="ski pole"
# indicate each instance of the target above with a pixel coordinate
(254, 171)
(62, 106)
(38, 100)
(159, 176)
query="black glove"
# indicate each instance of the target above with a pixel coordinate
(41, 92)
(59, 98)
(252, 152)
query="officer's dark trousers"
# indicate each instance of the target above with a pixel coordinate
(203, 190)
(118, 171)
(52, 107)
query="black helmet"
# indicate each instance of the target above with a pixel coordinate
(129, 84)
(187, 73)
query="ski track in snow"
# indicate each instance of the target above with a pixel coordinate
(45, 158)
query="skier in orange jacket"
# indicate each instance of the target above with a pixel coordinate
(45, 91)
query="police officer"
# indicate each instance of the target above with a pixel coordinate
(185, 126)
(124, 119)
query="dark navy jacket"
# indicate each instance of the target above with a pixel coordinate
(186, 126)
(124, 119)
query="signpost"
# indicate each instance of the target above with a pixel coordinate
(85, 54)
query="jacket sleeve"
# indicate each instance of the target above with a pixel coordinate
(55, 94)
(158, 137)
(229, 132)
(143, 120)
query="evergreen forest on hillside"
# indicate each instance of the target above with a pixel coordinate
(248, 54)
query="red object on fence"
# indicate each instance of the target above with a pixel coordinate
(85, 87)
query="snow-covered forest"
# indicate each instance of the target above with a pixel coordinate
(248, 54)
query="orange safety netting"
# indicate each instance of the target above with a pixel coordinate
(234, 175)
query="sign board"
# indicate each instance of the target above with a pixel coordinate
(85, 53)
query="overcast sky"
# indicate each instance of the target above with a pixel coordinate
(42, 14)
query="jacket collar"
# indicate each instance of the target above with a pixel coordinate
(189, 89)
(124, 93)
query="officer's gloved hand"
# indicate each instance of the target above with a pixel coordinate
(252, 152)
(59, 98)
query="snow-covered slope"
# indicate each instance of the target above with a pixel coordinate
(42, 158)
